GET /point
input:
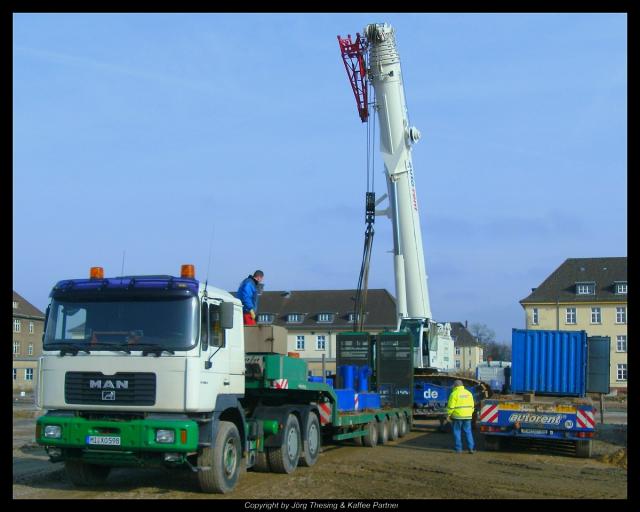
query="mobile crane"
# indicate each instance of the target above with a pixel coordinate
(372, 59)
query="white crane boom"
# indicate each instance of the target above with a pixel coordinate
(396, 138)
(433, 345)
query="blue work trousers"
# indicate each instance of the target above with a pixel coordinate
(458, 426)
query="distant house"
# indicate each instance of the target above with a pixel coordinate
(28, 328)
(468, 351)
(313, 318)
(587, 294)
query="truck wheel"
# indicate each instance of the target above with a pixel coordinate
(370, 439)
(223, 459)
(583, 449)
(284, 459)
(311, 445)
(83, 474)
(403, 427)
(383, 431)
(492, 443)
(262, 463)
(393, 429)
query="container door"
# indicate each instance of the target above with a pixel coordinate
(598, 364)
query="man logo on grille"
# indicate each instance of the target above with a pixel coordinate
(108, 395)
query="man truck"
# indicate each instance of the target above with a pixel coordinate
(152, 370)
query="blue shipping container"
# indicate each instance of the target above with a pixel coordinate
(549, 362)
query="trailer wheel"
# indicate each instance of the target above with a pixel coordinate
(583, 449)
(83, 474)
(370, 439)
(403, 427)
(312, 441)
(262, 463)
(394, 433)
(284, 459)
(223, 460)
(492, 443)
(383, 431)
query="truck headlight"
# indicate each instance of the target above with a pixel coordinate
(53, 431)
(165, 436)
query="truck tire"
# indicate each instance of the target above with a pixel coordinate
(403, 426)
(312, 441)
(223, 459)
(492, 443)
(583, 449)
(262, 463)
(284, 459)
(83, 474)
(370, 439)
(383, 431)
(394, 433)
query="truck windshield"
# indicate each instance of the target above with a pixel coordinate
(160, 323)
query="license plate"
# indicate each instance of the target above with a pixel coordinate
(533, 431)
(104, 440)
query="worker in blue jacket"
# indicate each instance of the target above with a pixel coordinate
(248, 294)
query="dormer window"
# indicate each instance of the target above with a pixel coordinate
(294, 318)
(621, 287)
(325, 318)
(586, 288)
(353, 317)
(266, 318)
(15, 304)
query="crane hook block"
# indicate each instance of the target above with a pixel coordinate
(370, 208)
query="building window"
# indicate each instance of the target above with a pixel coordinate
(534, 316)
(30, 349)
(16, 348)
(30, 327)
(28, 374)
(621, 288)
(353, 317)
(326, 318)
(457, 363)
(621, 315)
(294, 318)
(621, 343)
(299, 342)
(596, 316)
(321, 342)
(15, 304)
(15, 374)
(16, 325)
(570, 317)
(622, 372)
(457, 351)
(265, 318)
(585, 288)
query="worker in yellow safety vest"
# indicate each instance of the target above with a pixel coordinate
(459, 412)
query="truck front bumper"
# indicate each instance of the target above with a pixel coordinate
(128, 442)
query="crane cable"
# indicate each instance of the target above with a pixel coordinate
(363, 278)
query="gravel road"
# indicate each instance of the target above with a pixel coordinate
(419, 466)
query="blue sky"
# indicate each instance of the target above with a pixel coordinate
(160, 135)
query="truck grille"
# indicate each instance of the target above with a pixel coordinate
(95, 388)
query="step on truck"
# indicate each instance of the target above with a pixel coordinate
(551, 375)
(142, 371)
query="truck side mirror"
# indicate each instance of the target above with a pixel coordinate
(226, 315)
(46, 319)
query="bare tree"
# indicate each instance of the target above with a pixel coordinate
(487, 339)
(482, 333)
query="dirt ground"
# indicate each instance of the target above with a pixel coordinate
(418, 466)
